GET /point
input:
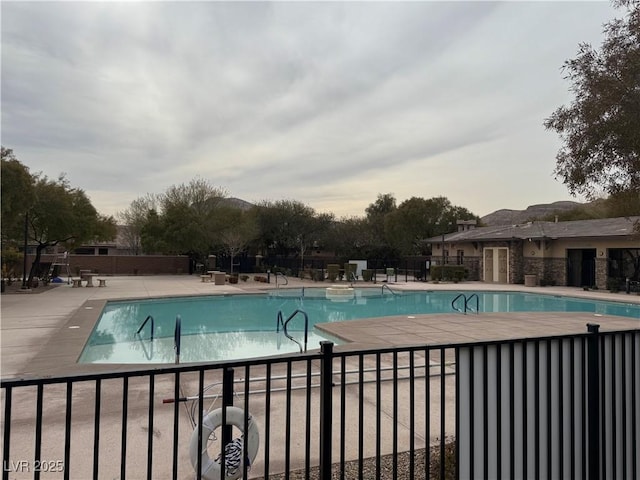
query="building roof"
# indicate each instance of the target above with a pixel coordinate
(602, 227)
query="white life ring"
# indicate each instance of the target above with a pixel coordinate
(234, 463)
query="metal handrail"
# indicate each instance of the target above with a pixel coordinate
(384, 285)
(466, 303)
(286, 281)
(284, 323)
(177, 333)
(144, 323)
(453, 302)
(147, 353)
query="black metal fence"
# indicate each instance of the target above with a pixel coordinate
(557, 407)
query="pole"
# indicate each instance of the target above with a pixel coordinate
(593, 402)
(227, 401)
(24, 259)
(326, 409)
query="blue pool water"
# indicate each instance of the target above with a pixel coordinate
(244, 326)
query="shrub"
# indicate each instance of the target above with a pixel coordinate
(613, 285)
(449, 461)
(449, 272)
(333, 270)
(367, 275)
(350, 270)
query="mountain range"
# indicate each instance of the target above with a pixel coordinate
(532, 212)
(499, 217)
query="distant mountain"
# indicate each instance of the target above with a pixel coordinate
(238, 203)
(533, 212)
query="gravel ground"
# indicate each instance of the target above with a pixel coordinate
(351, 470)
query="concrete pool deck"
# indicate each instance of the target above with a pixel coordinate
(44, 333)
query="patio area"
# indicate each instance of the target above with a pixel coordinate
(43, 331)
(43, 334)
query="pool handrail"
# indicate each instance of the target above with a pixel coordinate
(453, 303)
(177, 333)
(466, 303)
(147, 353)
(284, 323)
(384, 285)
(149, 317)
(286, 281)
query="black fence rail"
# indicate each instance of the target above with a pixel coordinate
(557, 407)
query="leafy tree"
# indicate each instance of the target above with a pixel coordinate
(239, 231)
(384, 204)
(623, 204)
(133, 221)
(289, 225)
(17, 195)
(152, 234)
(56, 212)
(349, 237)
(600, 129)
(376, 213)
(189, 224)
(416, 219)
(311, 230)
(63, 215)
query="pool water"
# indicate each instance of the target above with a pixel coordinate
(227, 327)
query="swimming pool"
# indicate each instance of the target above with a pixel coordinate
(226, 327)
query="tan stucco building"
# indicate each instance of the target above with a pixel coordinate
(578, 253)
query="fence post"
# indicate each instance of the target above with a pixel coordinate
(593, 401)
(326, 408)
(227, 401)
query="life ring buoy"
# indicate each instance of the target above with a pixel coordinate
(234, 463)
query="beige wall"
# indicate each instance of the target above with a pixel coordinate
(559, 247)
(453, 247)
(546, 258)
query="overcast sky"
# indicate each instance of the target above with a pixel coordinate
(329, 104)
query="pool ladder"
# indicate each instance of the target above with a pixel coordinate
(148, 354)
(177, 336)
(280, 274)
(148, 319)
(384, 285)
(283, 323)
(466, 299)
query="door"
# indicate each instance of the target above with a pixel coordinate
(496, 265)
(581, 267)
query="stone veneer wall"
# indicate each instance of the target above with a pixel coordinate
(548, 270)
(516, 262)
(472, 264)
(555, 270)
(534, 266)
(551, 270)
(602, 273)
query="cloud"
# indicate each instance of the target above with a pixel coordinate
(326, 103)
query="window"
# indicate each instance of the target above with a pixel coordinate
(460, 255)
(103, 251)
